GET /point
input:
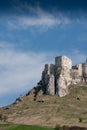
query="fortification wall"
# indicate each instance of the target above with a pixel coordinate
(77, 71)
(48, 79)
(47, 69)
(63, 62)
(84, 69)
(79, 66)
(51, 85)
(57, 77)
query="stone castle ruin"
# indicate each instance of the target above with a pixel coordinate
(57, 77)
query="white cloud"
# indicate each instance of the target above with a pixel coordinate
(27, 16)
(36, 17)
(19, 70)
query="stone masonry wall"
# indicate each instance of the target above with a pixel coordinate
(63, 62)
(57, 77)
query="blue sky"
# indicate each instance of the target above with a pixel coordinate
(32, 33)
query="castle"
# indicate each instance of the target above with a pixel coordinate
(57, 77)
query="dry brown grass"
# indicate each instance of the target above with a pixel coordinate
(54, 110)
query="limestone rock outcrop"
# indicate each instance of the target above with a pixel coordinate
(57, 77)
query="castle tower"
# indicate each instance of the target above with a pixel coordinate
(62, 75)
(48, 79)
(63, 62)
(84, 69)
(57, 77)
(79, 66)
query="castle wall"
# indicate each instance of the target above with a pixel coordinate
(57, 77)
(47, 69)
(76, 74)
(84, 69)
(63, 66)
(48, 79)
(52, 69)
(62, 86)
(63, 62)
(79, 66)
(51, 85)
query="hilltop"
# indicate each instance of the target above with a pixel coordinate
(59, 97)
(48, 110)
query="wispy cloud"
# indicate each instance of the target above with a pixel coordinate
(19, 71)
(37, 17)
(28, 16)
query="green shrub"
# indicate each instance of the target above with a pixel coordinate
(65, 127)
(80, 119)
(58, 127)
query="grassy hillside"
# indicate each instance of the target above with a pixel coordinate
(21, 127)
(27, 127)
(50, 110)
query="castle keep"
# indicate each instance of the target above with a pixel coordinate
(57, 77)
